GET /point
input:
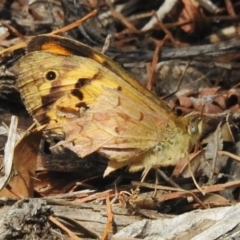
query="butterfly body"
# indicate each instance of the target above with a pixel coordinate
(99, 107)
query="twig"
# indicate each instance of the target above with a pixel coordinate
(109, 221)
(60, 225)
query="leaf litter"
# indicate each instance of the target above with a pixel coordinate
(208, 69)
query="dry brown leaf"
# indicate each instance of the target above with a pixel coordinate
(24, 163)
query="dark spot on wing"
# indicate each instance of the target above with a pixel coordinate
(119, 88)
(141, 116)
(82, 105)
(107, 65)
(124, 116)
(81, 82)
(97, 75)
(84, 81)
(77, 93)
(41, 116)
(50, 98)
(117, 130)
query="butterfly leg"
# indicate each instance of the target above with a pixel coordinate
(156, 183)
(144, 174)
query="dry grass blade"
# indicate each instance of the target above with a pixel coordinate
(9, 151)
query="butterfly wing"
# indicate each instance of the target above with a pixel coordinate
(58, 82)
(98, 105)
(125, 132)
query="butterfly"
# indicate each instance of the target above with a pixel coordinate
(99, 107)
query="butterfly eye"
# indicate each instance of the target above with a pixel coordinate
(193, 128)
(51, 75)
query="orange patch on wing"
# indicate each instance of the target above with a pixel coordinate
(52, 47)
